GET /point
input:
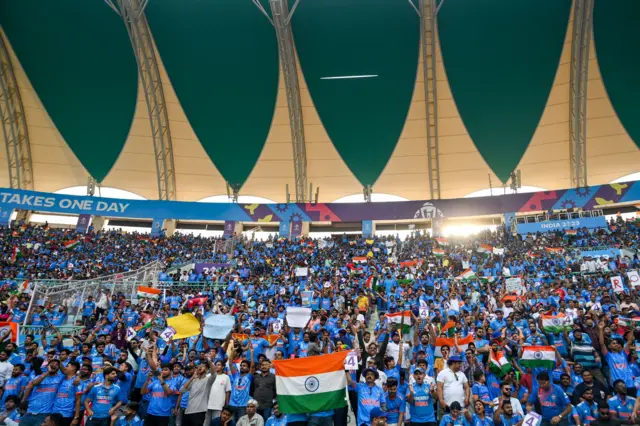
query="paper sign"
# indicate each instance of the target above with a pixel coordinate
(218, 326)
(277, 326)
(302, 272)
(514, 285)
(532, 419)
(186, 325)
(351, 361)
(306, 298)
(167, 334)
(616, 283)
(634, 278)
(424, 312)
(298, 317)
(131, 333)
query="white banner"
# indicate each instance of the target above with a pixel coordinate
(302, 272)
(298, 317)
(498, 251)
(634, 278)
(616, 283)
(514, 285)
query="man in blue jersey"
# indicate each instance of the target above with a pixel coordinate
(65, 402)
(130, 417)
(550, 401)
(41, 393)
(420, 398)
(103, 400)
(370, 395)
(241, 385)
(396, 403)
(16, 384)
(160, 405)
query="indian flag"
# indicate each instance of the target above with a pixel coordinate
(372, 283)
(463, 344)
(532, 254)
(438, 252)
(148, 293)
(442, 241)
(15, 254)
(10, 327)
(312, 384)
(553, 249)
(449, 328)
(402, 319)
(467, 274)
(359, 260)
(485, 248)
(571, 232)
(555, 323)
(488, 280)
(498, 364)
(538, 356)
(71, 244)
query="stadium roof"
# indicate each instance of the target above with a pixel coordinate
(502, 95)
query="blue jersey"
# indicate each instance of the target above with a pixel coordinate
(275, 421)
(552, 402)
(135, 421)
(161, 403)
(587, 412)
(619, 368)
(448, 420)
(103, 399)
(482, 392)
(43, 395)
(124, 384)
(422, 407)
(143, 372)
(65, 402)
(395, 407)
(88, 308)
(516, 418)
(368, 399)
(240, 386)
(477, 421)
(622, 408)
(14, 386)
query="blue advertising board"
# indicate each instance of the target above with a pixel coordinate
(367, 228)
(561, 225)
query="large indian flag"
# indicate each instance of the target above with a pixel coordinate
(308, 385)
(148, 292)
(438, 252)
(538, 356)
(485, 248)
(401, 319)
(556, 323)
(463, 344)
(467, 274)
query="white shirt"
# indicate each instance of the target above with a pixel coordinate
(453, 386)
(6, 368)
(219, 389)
(393, 350)
(515, 404)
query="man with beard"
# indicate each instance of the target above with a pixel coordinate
(41, 393)
(599, 392)
(277, 418)
(183, 399)
(103, 399)
(504, 415)
(160, 404)
(65, 402)
(370, 395)
(588, 409)
(621, 405)
(199, 388)
(15, 384)
(506, 388)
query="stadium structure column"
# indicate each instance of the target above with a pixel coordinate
(98, 223)
(132, 13)
(14, 124)
(427, 11)
(281, 20)
(169, 227)
(580, 42)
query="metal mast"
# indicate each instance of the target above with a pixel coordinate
(580, 41)
(132, 13)
(282, 24)
(427, 12)
(14, 124)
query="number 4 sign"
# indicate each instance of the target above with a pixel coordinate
(616, 283)
(532, 419)
(351, 361)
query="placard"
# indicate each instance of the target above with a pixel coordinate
(532, 419)
(634, 278)
(514, 285)
(351, 361)
(424, 312)
(616, 283)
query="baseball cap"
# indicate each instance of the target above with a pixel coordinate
(377, 412)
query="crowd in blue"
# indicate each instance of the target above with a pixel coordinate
(448, 290)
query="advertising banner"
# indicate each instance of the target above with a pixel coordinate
(156, 227)
(367, 228)
(229, 228)
(296, 229)
(561, 225)
(284, 230)
(83, 223)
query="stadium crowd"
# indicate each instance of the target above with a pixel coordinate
(474, 331)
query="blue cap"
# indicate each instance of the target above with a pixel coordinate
(377, 412)
(454, 358)
(419, 370)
